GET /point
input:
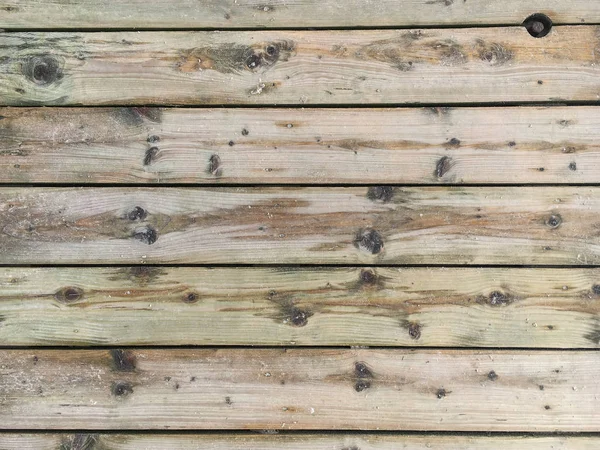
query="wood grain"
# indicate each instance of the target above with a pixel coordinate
(548, 308)
(325, 146)
(299, 441)
(300, 67)
(38, 14)
(433, 225)
(300, 389)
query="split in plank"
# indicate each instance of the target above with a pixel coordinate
(360, 146)
(296, 441)
(23, 14)
(144, 305)
(359, 225)
(300, 389)
(300, 67)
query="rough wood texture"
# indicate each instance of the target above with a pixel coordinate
(25, 14)
(300, 389)
(300, 441)
(300, 67)
(556, 308)
(433, 225)
(360, 146)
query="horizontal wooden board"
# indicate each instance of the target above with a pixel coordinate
(297, 441)
(38, 14)
(300, 67)
(142, 305)
(300, 389)
(360, 146)
(365, 225)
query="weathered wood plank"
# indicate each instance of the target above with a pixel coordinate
(196, 146)
(300, 67)
(552, 308)
(300, 389)
(13, 441)
(38, 14)
(433, 225)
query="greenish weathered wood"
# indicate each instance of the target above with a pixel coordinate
(74, 14)
(300, 67)
(548, 308)
(316, 225)
(290, 441)
(326, 389)
(325, 146)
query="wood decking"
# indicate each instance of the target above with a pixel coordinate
(433, 66)
(368, 146)
(281, 306)
(244, 224)
(223, 14)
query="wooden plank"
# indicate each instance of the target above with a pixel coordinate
(297, 441)
(300, 67)
(433, 225)
(325, 146)
(300, 389)
(551, 308)
(38, 14)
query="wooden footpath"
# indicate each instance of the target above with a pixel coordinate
(244, 224)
